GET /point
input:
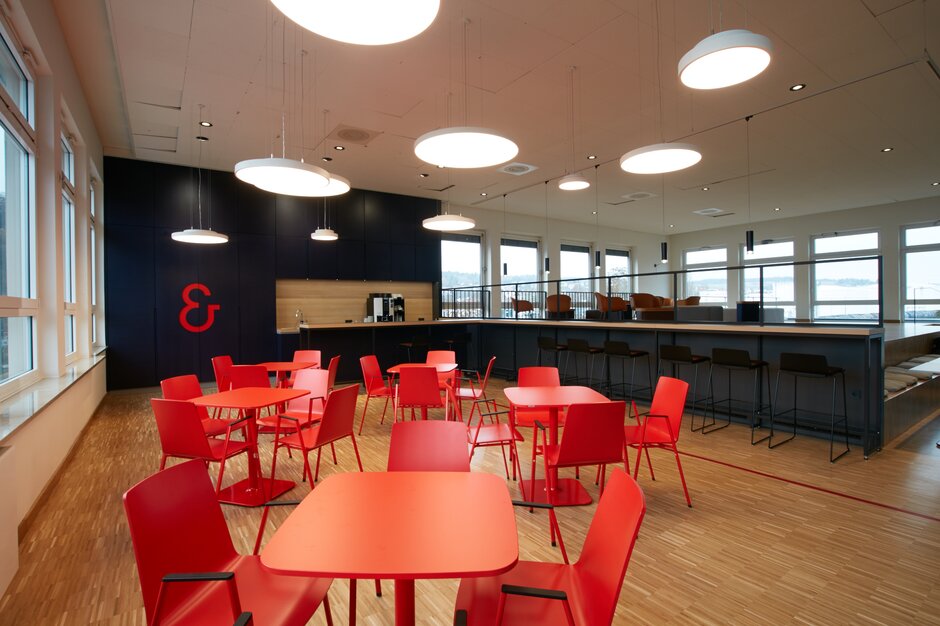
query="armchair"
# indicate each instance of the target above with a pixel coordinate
(559, 307)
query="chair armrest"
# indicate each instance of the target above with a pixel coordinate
(239, 421)
(460, 618)
(200, 577)
(195, 577)
(540, 425)
(245, 619)
(281, 503)
(532, 505)
(264, 516)
(538, 592)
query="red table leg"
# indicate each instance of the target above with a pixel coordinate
(256, 489)
(569, 492)
(404, 602)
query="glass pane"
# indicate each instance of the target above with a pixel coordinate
(460, 264)
(68, 162)
(15, 239)
(717, 255)
(921, 276)
(520, 264)
(770, 250)
(16, 346)
(94, 329)
(69, 334)
(618, 263)
(845, 312)
(94, 267)
(845, 243)
(778, 284)
(68, 248)
(710, 285)
(922, 236)
(13, 79)
(930, 312)
(91, 200)
(576, 265)
(847, 280)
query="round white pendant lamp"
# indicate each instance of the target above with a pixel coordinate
(464, 147)
(362, 22)
(573, 182)
(724, 59)
(283, 176)
(336, 187)
(324, 234)
(660, 158)
(199, 235)
(447, 222)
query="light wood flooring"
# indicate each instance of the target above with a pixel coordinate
(755, 549)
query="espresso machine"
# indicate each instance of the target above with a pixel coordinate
(386, 307)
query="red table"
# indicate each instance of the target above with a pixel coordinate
(569, 492)
(256, 489)
(401, 526)
(282, 368)
(442, 368)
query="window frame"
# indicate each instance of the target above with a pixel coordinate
(605, 270)
(536, 243)
(749, 263)
(690, 268)
(847, 255)
(904, 250)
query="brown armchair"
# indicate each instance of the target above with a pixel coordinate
(559, 307)
(690, 301)
(641, 300)
(521, 306)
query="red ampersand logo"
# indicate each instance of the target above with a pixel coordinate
(192, 305)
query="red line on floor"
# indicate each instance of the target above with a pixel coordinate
(813, 487)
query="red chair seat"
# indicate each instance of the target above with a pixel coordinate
(489, 434)
(522, 610)
(270, 422)
(217, 446)
(657, 431)
(527, 419)
(216, 427)
(271, 598)
(309, 435)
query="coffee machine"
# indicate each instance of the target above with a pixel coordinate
(386, 307)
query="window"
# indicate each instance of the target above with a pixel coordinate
(845, 290)
(520, 260)
(68, 245)
(617, 263)
(778, 281)
(68, 162)
(462, 266)
(93, 264)
(15, 227)
(711, 285)
(576, 268)
(17, 86)
(920, 258)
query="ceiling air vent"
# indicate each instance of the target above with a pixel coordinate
(632, 197)
(517, 169)
(351, 134)
(713, 212)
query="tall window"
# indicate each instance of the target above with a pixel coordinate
(845, 289)
(617, 263)
(576, 268)
(711, 285)
(778, 281)
(920, 255)
(18, 305)
(462, 266)
(93, 264)
(68, 243)
(520, 260)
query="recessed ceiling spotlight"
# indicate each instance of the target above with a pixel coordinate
(201, 138)
(776, 208)
(593, 212)
(704, 188)
(672, 226)
(205, 124)
(591, 157)
(338, 148)
(888, 149)
(935, 183)
(797, 86)
(440, 167)
(326, 159)
(423, 175)
(483, 193)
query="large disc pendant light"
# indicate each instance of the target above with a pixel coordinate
(724, 59)
(200, 235)
(447, 222)
(660, 158)
(282, 175)
(362, 22)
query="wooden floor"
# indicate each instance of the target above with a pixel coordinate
(775, 536)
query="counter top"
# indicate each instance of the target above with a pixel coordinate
(355, 324)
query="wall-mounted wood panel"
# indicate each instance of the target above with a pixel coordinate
(329, 301)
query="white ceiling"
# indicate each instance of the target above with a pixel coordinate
(869, 86)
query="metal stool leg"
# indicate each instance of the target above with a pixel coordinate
(770, 439)
(832, 421)
(711, 390)
(757, 403)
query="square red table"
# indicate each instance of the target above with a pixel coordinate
(282, 368)
(552, 399)
(256, 489)
(401, 526)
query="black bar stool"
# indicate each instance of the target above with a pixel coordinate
(578, 347)
(732, 361)
(455, 343)
(810, 366)
(547, 344)
(417, 343)
(677, 356)
(621, 350)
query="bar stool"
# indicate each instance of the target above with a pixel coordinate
(810, 366)
(547, 344)
(621, 350)
(732, 361)
(676, 356)
(456, 342)
(578, 347)
(418, 342)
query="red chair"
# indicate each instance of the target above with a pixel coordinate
(187, 387)
(659, 427)
(552, 594)
(339, 414)
(220, 367)
(332, 368)
(539, 376)
(593, 436)
(418, 388)
(377, 386)
(431, 446)
(437, 357)
(476, 389)
(495, 433)
(182, 436)
(306, 410)
(189, 570)
(303, 356)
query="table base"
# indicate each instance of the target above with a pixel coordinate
(243, 493)
(404, 602)
(570, 492)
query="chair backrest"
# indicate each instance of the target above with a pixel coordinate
(419, 386)
(332, 368)
(690, 301)
(435, 357)
(307, 356)
(539, 377)
(618, 348)
(486, 376)
(642, 300)
(608, 546)
(546, 343)
(316, 382)
(180, 428)
(428, 446)
(669, 399)
(676, 353)
(601, 299)
(371, 373)
(593, 434)
(338, 414)
(176, 525)
(803, 363)
(220, 367)
(248, 376)
(185, 387)
(731, 356)
(578, 345)
(521, 306)
(558, 303)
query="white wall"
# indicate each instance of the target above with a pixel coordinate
(887, 219)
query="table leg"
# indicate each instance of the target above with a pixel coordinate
(404, 602)
(568, 492)
(254, 490)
